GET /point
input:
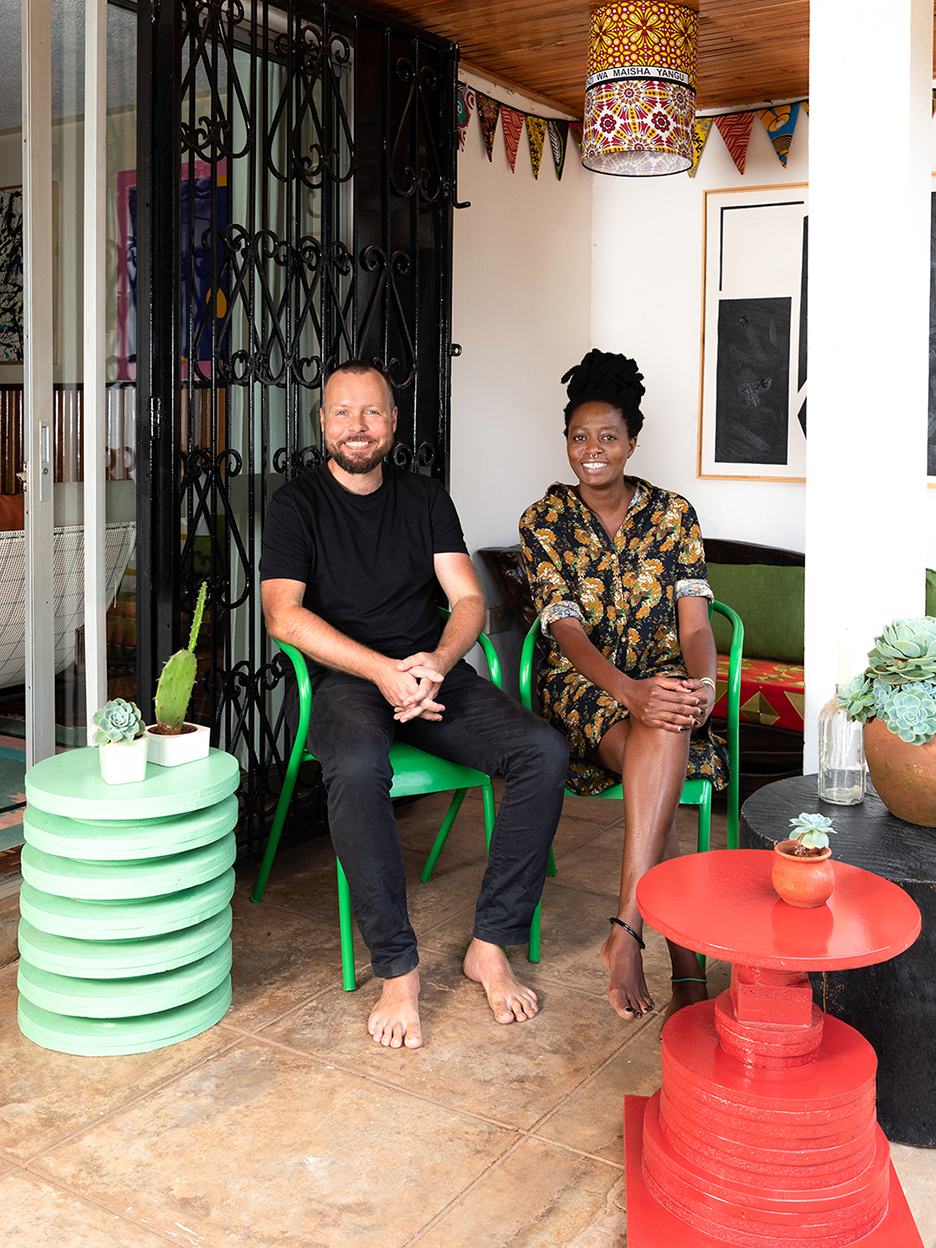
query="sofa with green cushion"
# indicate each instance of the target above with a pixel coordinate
(765, 586)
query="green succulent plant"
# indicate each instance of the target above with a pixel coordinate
(899, 684)
(857, 698)
(905, 651)
(117, 721)
(177, 679)
(911, 712)
(812, 831)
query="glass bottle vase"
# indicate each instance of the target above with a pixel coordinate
(841, 757)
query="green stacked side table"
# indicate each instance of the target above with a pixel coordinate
(126, 904)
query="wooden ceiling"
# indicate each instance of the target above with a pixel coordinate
(749, 50)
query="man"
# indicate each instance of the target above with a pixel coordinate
(352, 551)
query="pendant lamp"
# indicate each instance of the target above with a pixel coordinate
(640, 89)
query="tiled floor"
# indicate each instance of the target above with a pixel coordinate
(285, 1125)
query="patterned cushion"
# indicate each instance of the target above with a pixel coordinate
(771, 693)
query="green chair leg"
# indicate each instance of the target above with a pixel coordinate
(704, 841)
(279, 819)
(348, 981)
(454, 806)
(487, 797)
(533, 952)
(551, 864)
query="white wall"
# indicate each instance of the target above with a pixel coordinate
(521, 312)
(647, 302)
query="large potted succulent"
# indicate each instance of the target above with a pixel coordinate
(895, 699)
(122, 742)
(802, 874)
(172, 740)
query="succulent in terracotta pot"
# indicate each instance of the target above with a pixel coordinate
(802, 874)
(895, 699)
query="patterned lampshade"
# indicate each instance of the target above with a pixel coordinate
(640, 89)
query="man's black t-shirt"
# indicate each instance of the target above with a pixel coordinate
(365, 559)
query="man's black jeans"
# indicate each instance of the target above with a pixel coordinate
(350, 733)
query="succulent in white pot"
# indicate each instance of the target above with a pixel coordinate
(122, 742)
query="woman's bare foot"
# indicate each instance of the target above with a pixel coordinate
(627, 991)
(394, 1020)
(509, 1000)
(688, 993)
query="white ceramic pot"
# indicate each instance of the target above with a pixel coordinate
(188, 745)
(124, 762)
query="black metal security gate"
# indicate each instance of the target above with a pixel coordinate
(294, 209)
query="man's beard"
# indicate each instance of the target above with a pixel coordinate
(358, 462)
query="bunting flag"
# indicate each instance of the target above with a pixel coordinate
(703, 128)
(735, 129)
(780, 124)
(488, 112)
(536, 133)
(513, 128)
(466, 101)
(558, 138)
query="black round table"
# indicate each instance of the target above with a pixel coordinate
(893, 1005)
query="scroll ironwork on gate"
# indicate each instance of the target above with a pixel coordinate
(296, 179)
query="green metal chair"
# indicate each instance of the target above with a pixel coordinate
(415, 773)
(696, 792)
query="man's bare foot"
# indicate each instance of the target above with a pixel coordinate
(394, 1020)
(627, 991)
(509, 1000)
(685, 994)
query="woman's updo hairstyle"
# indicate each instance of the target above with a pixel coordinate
(603, 377)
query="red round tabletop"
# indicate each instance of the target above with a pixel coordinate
(722, 904)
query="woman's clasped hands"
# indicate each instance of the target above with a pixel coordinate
(673, 703)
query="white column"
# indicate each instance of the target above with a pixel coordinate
(37, 376)
(869, 198)
(95, 396)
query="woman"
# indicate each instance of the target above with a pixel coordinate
(618, 574)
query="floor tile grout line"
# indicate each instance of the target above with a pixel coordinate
(532, 1134)
(580, 1152)
(388, 1083)
(97, 1203)
(588, 1078)
(466, 1191)
(496, 1165)
(135, 1100)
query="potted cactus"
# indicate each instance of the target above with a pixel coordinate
(802, 873)
(122, 742)
(172, 740)
(895, 699)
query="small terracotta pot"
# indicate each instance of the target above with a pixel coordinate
(803, 882)
(904, 775)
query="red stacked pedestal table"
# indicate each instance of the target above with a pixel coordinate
(764, 1132)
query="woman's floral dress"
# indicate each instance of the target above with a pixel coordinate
(624, 591)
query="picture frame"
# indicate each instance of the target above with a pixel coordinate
(752, 389)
